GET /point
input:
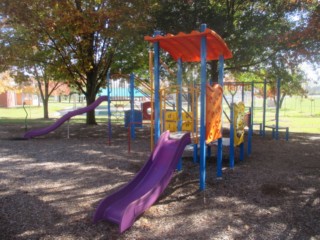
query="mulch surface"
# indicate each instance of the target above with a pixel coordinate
(50, 187)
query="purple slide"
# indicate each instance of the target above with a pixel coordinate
(66, 117)
(126, 204)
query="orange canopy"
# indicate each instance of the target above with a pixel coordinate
(187, 46)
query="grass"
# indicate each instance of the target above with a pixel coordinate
(32, 113)
(299, 114)
(17, 115)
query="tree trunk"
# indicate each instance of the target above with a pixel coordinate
(91, 92)
(214, 74)
(45, 102)
(91, 117)
(281, 99)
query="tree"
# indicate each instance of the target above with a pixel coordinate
(6, 82)
(46, 84)
(31, 60)
(261, 34)
(85, 35)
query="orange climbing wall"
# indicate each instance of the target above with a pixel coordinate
(213, 112)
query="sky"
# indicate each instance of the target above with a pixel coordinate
(313, 75)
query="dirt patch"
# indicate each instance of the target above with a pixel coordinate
(51, 185)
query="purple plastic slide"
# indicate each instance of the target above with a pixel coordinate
(66, 117)
(126, 204)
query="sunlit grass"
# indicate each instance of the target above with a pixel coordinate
(299, 114)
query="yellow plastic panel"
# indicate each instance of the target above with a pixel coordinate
(239, 122)
(171, 116)
(187, 116)
(187, 126)
(171, 126)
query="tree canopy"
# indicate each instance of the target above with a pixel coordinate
(78, 41)
(85, 37)
(267, 38)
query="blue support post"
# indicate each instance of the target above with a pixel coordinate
(242, 93)
(252, 102)
(203, 75)
(179, 166)
(220, 143)
(219, 159)
(250, 133)
(231, 147)
(221, 70)
(195, 116)
(132, 124)
(264, 107)
(277, 108)
(109, 108)
(179, 78)
(241, 151)
(156, 49)
(208, 151)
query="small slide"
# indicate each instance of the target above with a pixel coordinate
(66, 117)
(126, 204)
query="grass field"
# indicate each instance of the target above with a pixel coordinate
(299, 114)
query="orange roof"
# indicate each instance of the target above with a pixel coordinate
(187, 46)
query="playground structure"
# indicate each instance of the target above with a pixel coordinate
(194, 47)
(204, 126)
(275, 127)
(139, 194)
(126, 96)
(263, 123)
(169, 112)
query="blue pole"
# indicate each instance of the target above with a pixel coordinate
(109, 107)
(156, 48)
(221, 70)
(264, 106)
(278, 109)
(132, 124)
(242, 93)
(179, 167)
(252, 101)
(220, 145)
(203, 75)
(241, 151)
(219, 158)
(231, 147)
(195, 117)
(250, 133)
(179, 94)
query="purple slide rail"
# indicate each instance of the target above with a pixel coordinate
(64, 118)
(126, 204)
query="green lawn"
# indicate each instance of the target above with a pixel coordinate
(32, 113)
(299, 114)
(17, 115)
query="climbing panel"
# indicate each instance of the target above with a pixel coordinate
(213, 112)
(239, 122)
